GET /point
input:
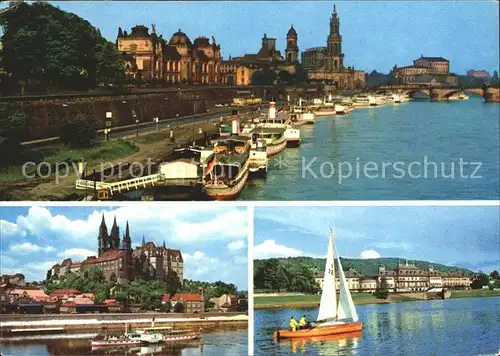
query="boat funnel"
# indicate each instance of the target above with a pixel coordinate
(272, 110)
(235, 120)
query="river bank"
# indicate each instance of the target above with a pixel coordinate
(46, 323)
(311, 301)
(147, 147)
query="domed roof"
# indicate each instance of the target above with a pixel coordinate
(292, 32)
(201, 42)
(179, 38)
(139, 31)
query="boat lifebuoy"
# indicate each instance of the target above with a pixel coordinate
(220, 183)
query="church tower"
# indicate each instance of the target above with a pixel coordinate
(114, 237)
(292, 50)
(334, 57)
(103, 238)
(127, 242)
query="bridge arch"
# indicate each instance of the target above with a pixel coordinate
(411, 93)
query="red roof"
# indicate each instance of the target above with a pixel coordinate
(65, 292)
(175, 253)
(186, 297)
(106, 256)
(110, 302)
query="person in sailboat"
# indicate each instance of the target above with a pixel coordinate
(303, 323)
(293, 324)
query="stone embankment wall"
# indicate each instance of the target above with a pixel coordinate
(94, 322)
(45, 113)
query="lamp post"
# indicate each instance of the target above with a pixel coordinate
(134, 115)
(156, 120)
(109, 122)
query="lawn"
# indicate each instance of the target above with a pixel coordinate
(309, 300)
(475, 293)
(54, 154)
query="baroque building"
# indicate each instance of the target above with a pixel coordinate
(326, 64)
(426, 70)
(150, 56)
(239, 70)
(406, 277)
(119, 261)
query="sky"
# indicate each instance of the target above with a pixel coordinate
(376, 34)
(212, 239)
(462, 236)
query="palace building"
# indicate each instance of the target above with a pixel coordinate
(119, 261)
(239, 70)
(406, 277)
(426, 70)
(326, 64)
(150, 56)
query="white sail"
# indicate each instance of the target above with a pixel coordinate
(328, 303)
(346, 309)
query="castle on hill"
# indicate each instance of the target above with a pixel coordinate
(120, 262)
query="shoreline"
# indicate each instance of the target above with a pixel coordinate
(396, 298)
(60, 324)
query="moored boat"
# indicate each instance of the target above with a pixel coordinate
(227, 176)
(258, 160)
(333, 318)
(274, 137)
(324, 112)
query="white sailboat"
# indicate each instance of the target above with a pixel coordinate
(334, 317)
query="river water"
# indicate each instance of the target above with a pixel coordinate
(469, 326)
(430, 150)
(214, 343)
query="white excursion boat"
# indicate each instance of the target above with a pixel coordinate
(334, 317)
(361, 100)
(258, 161)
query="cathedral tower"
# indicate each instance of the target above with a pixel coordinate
(292, 50)
(335, 57)
(127, 242)
(114, 237)
(103, 238)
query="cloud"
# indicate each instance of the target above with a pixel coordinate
(236, 245)
(76, 253)
(27, 248)
(367, 254)
(200, 266)
(270, 249)
(228, 225)
(56, 233)
(8, 229)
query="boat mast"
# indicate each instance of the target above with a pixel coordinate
(334, 279)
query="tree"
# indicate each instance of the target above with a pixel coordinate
(166, 308)
(494, 274)
(271, 275)
(178, 308)
(54, 49)
(480, 281)
(173, 283)
(382, 291)
(78, 131)
(284, 77)
(300, 76)
(13, 125)
(264, 76)
(109, 64)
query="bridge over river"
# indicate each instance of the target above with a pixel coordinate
(490, 94)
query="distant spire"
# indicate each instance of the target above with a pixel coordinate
(143, 241)
(164, 246)
(334, 9)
